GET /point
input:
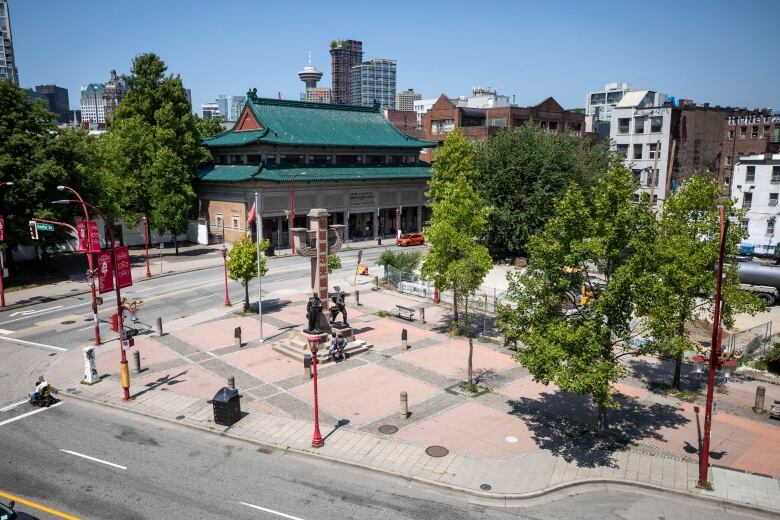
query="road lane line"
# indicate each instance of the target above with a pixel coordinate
(47, 311)
(202, 297)
(93, 459)
(40, 507)
(32, 343)
(39, 410)
(277, 513)
(12, 406)
(6, 331)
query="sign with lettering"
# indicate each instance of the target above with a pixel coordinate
(361, 198)
(105, 274)
(94, 236)
(81, 230)
(754, 120)
(123, 275)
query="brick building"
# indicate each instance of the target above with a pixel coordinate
(746, 132)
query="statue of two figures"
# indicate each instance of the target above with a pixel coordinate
(314, 310)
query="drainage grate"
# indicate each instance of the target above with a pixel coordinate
(388, 429)
(485, 487)
(179, 417)
(437, 451)
(67, 322)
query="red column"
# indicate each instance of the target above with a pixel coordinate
(316, 440)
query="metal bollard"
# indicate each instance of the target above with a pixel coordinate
(760, 395)
(307, 367)
(357, 298)
(421, 311)
(404, 343)
(231, 382)
(137, 361)
(404, 405)
(159, 327)
(376, 282)
(237, 336)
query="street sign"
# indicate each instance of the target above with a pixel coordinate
(43, 226)
(127, 343)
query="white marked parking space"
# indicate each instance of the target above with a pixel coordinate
(271, 511)
(93, 459)
(12, 406)
(33, 344)
(22, 416)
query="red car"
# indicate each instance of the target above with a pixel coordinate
(410, 239)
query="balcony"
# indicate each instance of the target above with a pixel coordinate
(773, 202)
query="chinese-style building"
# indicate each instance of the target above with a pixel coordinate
(349, 160)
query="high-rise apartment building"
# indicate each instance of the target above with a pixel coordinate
(344, 54)
(405, 99)
(230, 107)
(57, 100)
(113, 93)
(7, 62)
(92, 107)
(210, 110)
(374, 80)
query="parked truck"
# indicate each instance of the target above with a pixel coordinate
(761, 279)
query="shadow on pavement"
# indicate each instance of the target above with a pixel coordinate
(166, 380)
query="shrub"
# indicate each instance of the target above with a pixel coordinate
(404, 261)
(772, 359)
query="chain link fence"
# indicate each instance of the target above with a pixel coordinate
(753, 342)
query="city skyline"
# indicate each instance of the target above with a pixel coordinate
(687, 55)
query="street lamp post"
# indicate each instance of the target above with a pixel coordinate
(2, 263)
(146, 241)
(119, 309)
(292, 211)
(90, 262)
(316, 440)
(224, 262)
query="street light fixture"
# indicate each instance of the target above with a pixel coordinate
(316, 440)
(224, 262)
(292, 211)
(119, 308)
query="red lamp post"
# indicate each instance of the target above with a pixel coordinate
(119, 309)
(146, 242)
(292, 211)
(90, 263)
(316, 440)
(2, 264)
(224, 262)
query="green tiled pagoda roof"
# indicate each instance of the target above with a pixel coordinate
(317, 124)
(238, 173)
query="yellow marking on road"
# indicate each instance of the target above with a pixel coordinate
(40, 507)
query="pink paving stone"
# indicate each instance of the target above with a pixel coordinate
(107, 361)
(473, 429)
(384, 333)
(450, 359)
(265, 363)
(526, 387)
(744, 392)
(630, 391)
(187, 379)
(217, 334)
(365, 394)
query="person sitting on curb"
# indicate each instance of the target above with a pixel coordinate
(336, 347)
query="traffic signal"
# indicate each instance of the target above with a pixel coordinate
(33, 230)
(114, 323)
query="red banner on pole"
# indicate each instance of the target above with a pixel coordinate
(123, 275)
(81, 228)
(94, 237)
(2, 228)
(105, 272)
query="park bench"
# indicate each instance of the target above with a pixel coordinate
(404, 312)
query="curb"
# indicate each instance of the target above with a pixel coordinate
(505, 500)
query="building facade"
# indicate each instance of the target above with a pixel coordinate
(113, 93)
(747, 132)
(422, 106)
(92, 108)
(8, 68)
(756, 188)
(210, 110)
(230, 107)
(318, 95)
(374, 81)
(405, 99)
(349, 160)
(344, 54)
(58, 101)
(600, 103)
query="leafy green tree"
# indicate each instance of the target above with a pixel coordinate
(604, 245)
(242, 264)
(404, 261)
(522, 172)
(334, 263)
(208, 127)
(680, 281)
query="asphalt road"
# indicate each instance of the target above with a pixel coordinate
(98, 463)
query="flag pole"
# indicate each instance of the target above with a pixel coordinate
(259, 233)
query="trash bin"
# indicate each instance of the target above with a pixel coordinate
(227, 407)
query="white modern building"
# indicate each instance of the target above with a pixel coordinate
(93, 104)
(374, 81)
(601, 102)
(421, 106)
(641, 127)
(483, 97)
(230, 107)
(210, 110)
(756, 188)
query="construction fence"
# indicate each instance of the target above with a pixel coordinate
(753, 342)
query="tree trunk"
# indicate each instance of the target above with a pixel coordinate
(471, 356)
(455, 321)
(677, 369)
(246, 296)
(176, 244)
(601, 420)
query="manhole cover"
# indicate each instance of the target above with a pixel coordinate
(511, 439)
(67, 322)
(437, 451)
(179, 417)
(388, 428)
(485, 487)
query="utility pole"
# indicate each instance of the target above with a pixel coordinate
(259, 238)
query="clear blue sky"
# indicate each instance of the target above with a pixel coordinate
(719, 51)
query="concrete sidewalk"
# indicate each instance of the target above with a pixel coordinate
(515, 441)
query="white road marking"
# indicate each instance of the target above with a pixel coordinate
(277, 513)
(35, 311)
(39, 410)
(163, 285)
(34, 344)
(46, 312)
(6, 331)
(202, 297)
(93, 459)
(12, 406)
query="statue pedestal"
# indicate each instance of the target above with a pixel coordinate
(346, 332)
(296, 345)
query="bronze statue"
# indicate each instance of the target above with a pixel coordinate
(313, 311)
(339, 307)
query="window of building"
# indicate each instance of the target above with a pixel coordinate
(770, 226)
(728, 160)
(499, 121)
(745, 223)
(622, 149)
(553, 125)
(236, 159)
(775, 173)
(254, 159)
(742, 132)
(726, 181)
(773, 199)
(395, 159)
(634, 197)
(271, 160)
(656, 124)
(218, 220)
(623, 125)
(655, 200)
(731, 135)
(236, 222)
(750, 176)
(754, 133)
(614, 97)
(320, 159)
(651, 148)
(291, 159)
(442, 126)
(776, 134)
(637, 175)
(597, 99)
(639, 125)
(765, 132)
(575, 127)
(372, 159)
(638, 151)
(349, 159)
(747, 200)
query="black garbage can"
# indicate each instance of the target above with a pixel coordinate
(227, 407)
